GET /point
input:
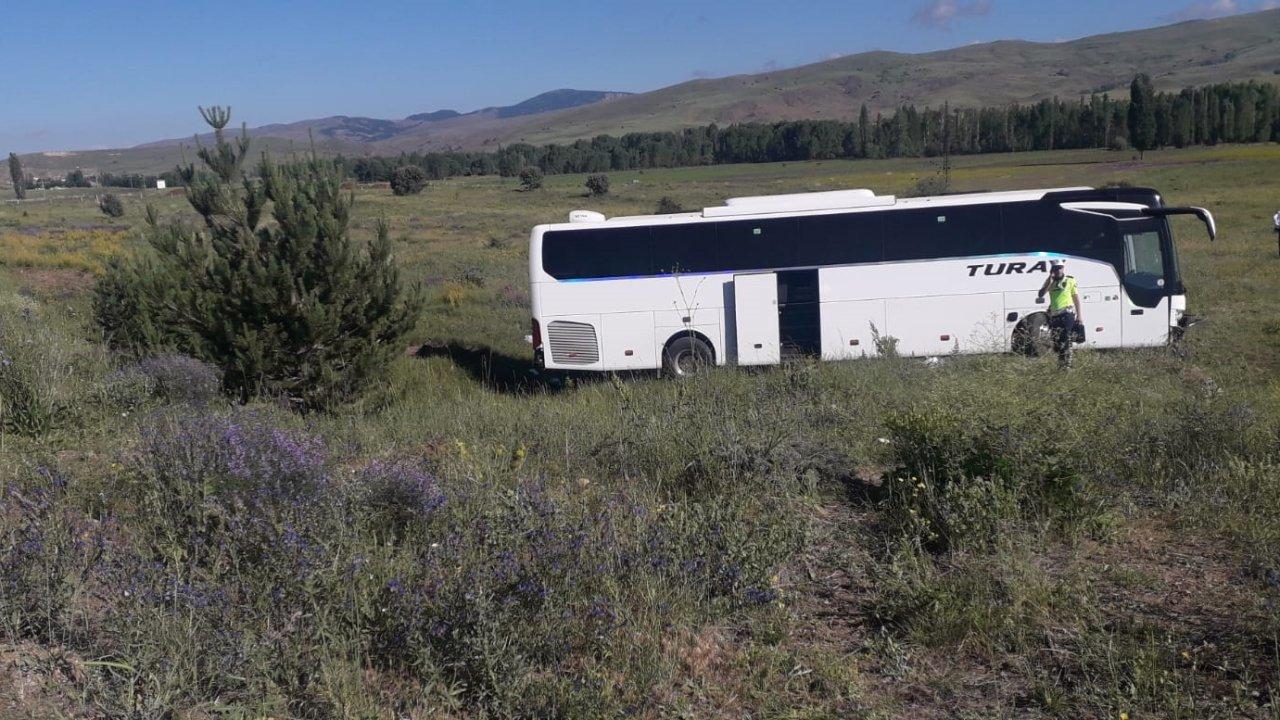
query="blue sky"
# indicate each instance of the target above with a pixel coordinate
(81, 75)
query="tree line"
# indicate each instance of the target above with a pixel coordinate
(78, 179)
(1241, 112)
(1207, 115)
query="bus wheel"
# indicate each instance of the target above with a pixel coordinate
(686, 355)
(1033, 336)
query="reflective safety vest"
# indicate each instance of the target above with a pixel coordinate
(1061, 294)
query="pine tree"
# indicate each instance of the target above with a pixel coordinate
(19, 180)
(289, 307)
(1142, 114)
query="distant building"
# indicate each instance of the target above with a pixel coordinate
(159, 184)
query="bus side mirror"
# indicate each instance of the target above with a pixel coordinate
(1205, 216)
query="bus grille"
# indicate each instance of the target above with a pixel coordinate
(573, 343)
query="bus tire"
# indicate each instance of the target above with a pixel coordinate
(1032, 337)
(686, 355)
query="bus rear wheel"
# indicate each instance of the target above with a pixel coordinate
(686, 355)
(1033, 337)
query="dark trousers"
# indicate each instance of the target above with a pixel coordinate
(1061, 326)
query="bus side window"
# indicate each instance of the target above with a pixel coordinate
(840, 239)
(756, 244)
(597, 253)
(941, 232)
(1040, 227)
(689, 248)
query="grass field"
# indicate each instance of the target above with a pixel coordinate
(984, 537)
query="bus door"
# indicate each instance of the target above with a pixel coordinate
(799, 321)
(755, 310)
(1145, 311)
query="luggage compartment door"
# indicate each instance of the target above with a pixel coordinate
(755, 300)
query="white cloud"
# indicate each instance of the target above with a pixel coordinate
(1209, 9)
(941, 13)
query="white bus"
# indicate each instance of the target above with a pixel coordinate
(848, 274)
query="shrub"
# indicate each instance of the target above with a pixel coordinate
(401, 496)
(512, 296)
(668, 206)
(927, 187)
(597, 185)
(1196, 439)
(531, 178)
(472, 275)
(38, 373)
(1000, 601)
(1116, 184)
(292, 306)
(46, 548)
(408, 180)
(261, 569)
(207, 482)
(178, 378)
(454, 295)
(960, 483)
(111, 206)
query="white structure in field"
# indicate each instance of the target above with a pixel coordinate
(848, 274)
(159, 184)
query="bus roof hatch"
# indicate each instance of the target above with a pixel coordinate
(829, 200)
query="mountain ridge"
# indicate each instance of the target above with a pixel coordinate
(361, 129)
(1190, 53)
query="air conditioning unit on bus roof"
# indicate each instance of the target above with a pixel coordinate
(829, 200)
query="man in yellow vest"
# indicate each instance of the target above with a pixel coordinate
(1064, 310)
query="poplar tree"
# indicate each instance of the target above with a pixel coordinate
(15, 172)
(863, 121)
(1142, 114)
(272, 288)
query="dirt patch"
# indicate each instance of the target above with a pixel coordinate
(34, 681)
(52, 282)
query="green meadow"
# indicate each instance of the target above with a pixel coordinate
(981, 537)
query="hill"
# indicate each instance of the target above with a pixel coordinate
(1243, 47)
(343, 129)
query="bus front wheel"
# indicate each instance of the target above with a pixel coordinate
(1033, 337)
(686, 355)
